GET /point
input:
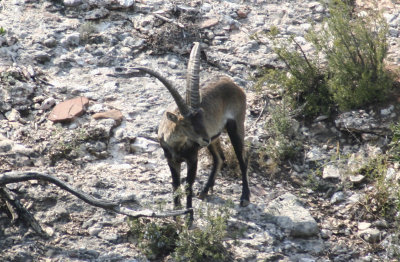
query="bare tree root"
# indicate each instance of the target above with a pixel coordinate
(114, 206)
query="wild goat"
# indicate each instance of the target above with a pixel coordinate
(197, 123)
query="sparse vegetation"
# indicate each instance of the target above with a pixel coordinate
(282, 143)
(161, 238)
(2, 31)
(86, 30)
(71, 144)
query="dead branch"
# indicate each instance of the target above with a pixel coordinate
(16, 176)
(168, 20)
(17, 209)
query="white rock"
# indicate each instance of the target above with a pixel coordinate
(371, 235)
(363, 225)
(72, 2)
(331, 171)
(72, 39)
(338, 197)
(13, 115)
(48, 103)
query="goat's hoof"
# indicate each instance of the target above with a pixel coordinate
(244, 203)
(202, 195)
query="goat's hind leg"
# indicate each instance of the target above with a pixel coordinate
(236, 135)
(218, 160)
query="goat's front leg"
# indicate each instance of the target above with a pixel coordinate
(175, 168)
(191, 176)
(218, 160)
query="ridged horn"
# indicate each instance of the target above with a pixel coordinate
(192, 78)
(183, 108)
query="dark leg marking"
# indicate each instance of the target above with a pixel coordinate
(237, 140)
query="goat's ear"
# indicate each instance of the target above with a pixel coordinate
(172, 117)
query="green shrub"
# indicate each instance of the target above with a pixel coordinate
(394, 146)
(346, 69)
(383, 200)
(158, 238)
(155, 239)
(206, 242)
(304, 81)
(355, 47)
(281, 129)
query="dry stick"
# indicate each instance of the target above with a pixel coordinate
(262, 111)
(17, 209)
(168, 20)
(15, 176)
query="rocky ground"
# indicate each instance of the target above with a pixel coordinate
(52, 51)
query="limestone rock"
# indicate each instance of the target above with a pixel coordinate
(331, 172)
(289, 214)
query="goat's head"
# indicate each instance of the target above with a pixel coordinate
(191, 125)
(190, 119)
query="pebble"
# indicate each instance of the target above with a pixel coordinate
(371, 235)
(331, 172)
(71, 40)
(48, 103)
(112, 114)
(42, 57)
(5, 145)
(338, 197)
(94, 231)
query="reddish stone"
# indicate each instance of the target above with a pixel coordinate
(209, 23)
(112, 114)
(242, 13)
(69, 109)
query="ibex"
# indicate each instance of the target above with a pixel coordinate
(197, 123)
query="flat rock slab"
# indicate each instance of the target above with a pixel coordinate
(287, 212)
(209, 23)
(69, 109)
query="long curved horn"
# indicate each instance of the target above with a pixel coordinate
(183, 108)
(192, 78)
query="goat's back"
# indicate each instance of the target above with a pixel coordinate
(222, 100)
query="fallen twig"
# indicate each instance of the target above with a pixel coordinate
(15, 176)
(262, 111)
(166, 19)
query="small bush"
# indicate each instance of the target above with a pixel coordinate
(282, 143)
(206, 242)
(394, 146)
(383, 200)
(346, 69)
(160, 238)
(304, 81)
(87, 30)
(355, 48)
(155, 239)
